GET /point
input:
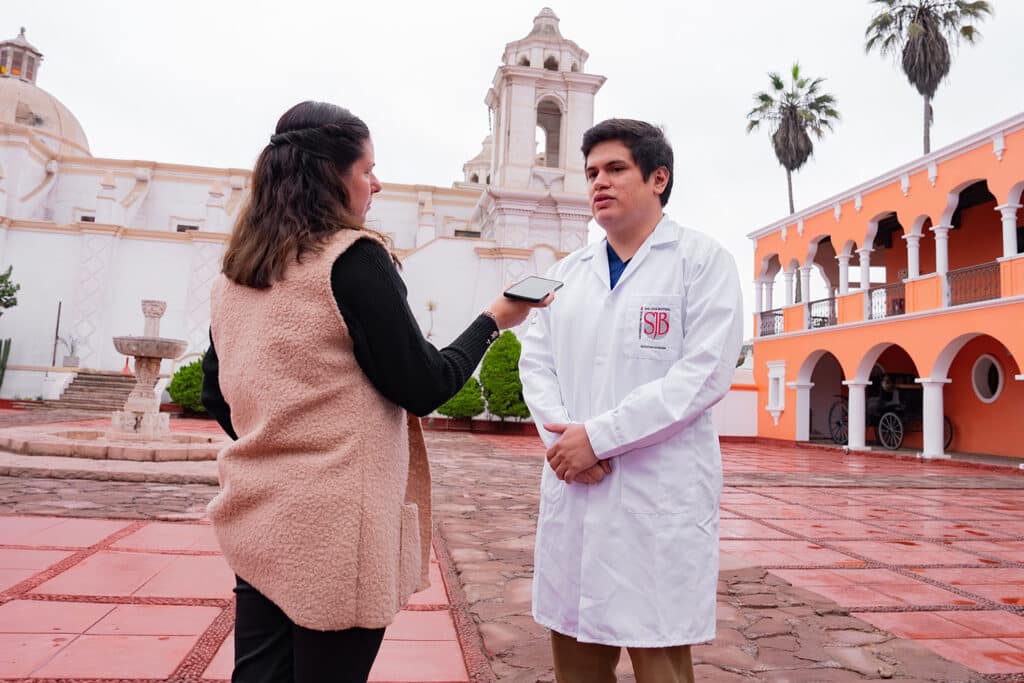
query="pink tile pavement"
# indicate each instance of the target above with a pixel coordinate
(48, 633)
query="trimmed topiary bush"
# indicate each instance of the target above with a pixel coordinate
(466, 404)
(186, 387)
(499, 375)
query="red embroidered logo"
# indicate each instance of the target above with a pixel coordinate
(654, 322)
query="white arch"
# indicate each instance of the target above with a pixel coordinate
(953, 200)
(940, 368)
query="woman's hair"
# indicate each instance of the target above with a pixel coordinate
(297, 200)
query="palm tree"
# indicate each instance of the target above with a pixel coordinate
(793, 114)
(920, 32)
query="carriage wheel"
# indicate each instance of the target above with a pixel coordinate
(839, 422)
(947, 432)
(890, 430)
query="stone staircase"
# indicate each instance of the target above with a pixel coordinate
(95, 391)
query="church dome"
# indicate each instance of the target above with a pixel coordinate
(23, 103)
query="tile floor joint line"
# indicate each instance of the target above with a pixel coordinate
(36, 580)
(478, 666)
(198, 659)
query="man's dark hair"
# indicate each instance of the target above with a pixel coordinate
(646, 143)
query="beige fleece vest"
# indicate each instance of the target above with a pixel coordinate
(324, 504)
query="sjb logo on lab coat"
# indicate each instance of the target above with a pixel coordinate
(655, 322)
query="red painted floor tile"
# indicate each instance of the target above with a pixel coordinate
(191, 577)
(967, 575)
(1002, 625)
(38, 560)
(830, 528)
(168, 536)
(107, 573)
(23, 653)
(223, 662)
(12, 577)
(938, 529)
(1004, 594)
(41, 616)
(908, 552)
(857, 596)
(809, 578)
(436, 594)
(923, 594)
(118, 657)
(59, 532)
(155, 620)
(746, 528)
(917, 625)
(984, 655)
(434, 625)
(400, 661)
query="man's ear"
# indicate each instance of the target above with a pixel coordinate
(660, 176)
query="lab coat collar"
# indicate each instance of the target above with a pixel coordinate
(665, 232)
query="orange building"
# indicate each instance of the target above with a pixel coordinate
(915, 336)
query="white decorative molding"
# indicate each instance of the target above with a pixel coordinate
(90, 298)
(205, 266)
(905, 184)
(800, 227)
(858, 202)
(776, 389)
(785, 233)
(933, 173)
(999, 145)
(837, 209)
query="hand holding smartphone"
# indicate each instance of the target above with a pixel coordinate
(533, 289)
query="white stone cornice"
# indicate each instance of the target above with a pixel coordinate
(989, 135)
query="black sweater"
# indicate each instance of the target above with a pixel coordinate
(386, 339)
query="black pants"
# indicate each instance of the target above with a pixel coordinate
(271, 648)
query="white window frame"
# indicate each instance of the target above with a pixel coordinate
(974, 378)
(776, 389)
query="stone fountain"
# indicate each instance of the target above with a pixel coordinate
(141, 418)
(139, 431)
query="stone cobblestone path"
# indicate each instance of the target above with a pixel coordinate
(834, 568)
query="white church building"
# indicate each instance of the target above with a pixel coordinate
(92, 236)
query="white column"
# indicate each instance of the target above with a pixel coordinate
(934, 423)
(844, 273)
(857, 415)
(1009, 214)
(769, 295)
(805, 283)
(941, 248)
(758, 289)
(803, 409)
(788, 276)
(865, 268)
(913, 255)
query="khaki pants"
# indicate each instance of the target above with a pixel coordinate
(577, 662)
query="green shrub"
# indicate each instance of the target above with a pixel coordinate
(186, 387)
(466, 404)
(499, 375)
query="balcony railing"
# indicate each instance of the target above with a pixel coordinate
(771, 323)
(822, 313)
(974, 283)
(887, 301)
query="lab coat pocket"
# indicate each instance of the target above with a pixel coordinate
(657, 480)
(653, 327)
(551, 489)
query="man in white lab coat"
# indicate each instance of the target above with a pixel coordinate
(622, 372)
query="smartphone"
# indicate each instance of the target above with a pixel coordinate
(533, 289)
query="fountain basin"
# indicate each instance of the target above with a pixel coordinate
(150, 347)
(101, 445)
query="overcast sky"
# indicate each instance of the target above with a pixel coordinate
(204, 83)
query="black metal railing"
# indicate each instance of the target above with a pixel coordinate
(822, 313)
(771, 323)
(887, 301)
(974, 283)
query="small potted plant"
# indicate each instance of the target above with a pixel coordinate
(70, 344)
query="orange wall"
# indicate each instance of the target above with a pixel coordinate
(923, 338)
(980, 427)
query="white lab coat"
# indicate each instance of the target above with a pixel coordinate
(633, 560)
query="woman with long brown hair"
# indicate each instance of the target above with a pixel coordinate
(315, 361)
